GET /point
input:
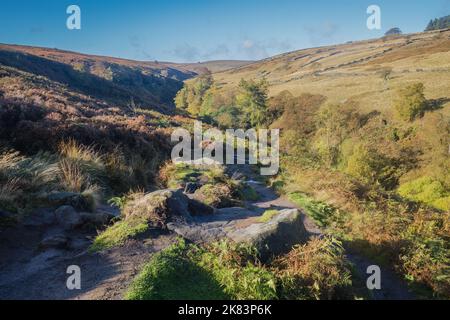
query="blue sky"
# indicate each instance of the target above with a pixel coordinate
(199, 30)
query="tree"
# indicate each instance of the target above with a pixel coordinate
(431, 25)
(181, 99)
(437, 24)
(334, 123)
(191, 97)
(393, 31)
(252, 100)
(411, 102)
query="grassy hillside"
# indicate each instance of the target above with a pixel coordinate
(355, 70)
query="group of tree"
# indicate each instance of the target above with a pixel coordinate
(244, 107)
(437, 24)
(393, 31)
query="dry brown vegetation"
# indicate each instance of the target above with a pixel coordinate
(86, 132)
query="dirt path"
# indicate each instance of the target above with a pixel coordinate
(31, 273)
(28, 272)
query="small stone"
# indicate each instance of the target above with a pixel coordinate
(54, 242)
(191, 187)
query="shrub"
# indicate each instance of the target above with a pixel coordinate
(295, 113)
(321, 212)
(238, 269)
(411, 102)
(317, 270)
(252, 100)
(425, 260)
(427, 190)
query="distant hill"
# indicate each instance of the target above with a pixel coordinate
(216, 66)
(437, 24)
(353, 71)
(150, 85)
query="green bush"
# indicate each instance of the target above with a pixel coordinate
(411, 102)
(427, 190)
(372, 168)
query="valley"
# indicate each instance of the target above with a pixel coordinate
(86, 177)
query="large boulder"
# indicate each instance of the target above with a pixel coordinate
(274, 237)
(210, 228)
(159, 207)
(68, 217)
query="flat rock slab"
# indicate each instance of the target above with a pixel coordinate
(240, 225)
(204, 229)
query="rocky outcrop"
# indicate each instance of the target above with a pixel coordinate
(165, 206)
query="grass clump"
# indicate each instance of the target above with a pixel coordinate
(140, 212)
(239, 271)
(217, 196)
(175, 274)
(27, 181)
(118, 234)
(268, 215)
(189, 272)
